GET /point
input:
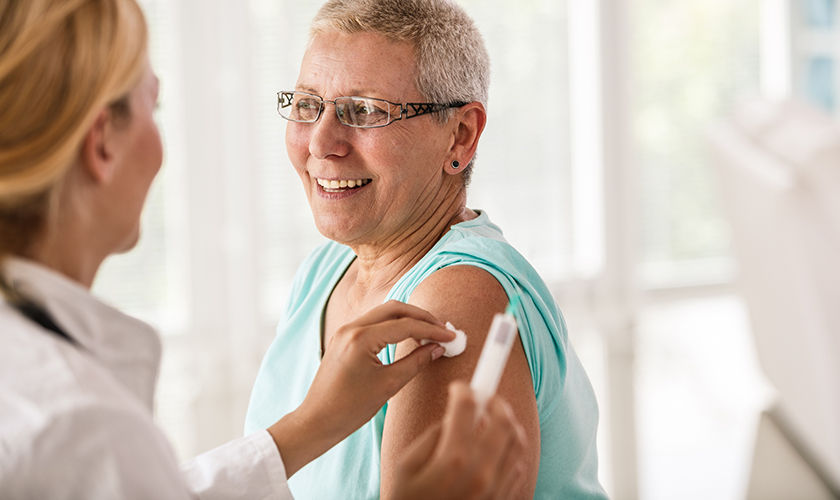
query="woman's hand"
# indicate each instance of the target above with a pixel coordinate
(465, 457)
(351, 384)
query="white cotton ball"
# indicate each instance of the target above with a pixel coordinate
(455, 346)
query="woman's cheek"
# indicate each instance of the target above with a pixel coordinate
(297, 145)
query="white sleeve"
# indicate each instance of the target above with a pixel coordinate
(246, 468)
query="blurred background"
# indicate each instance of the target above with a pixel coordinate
(614, 158)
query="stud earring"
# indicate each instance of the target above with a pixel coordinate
(456, 164)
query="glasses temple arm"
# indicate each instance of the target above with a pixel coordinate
(422, 108)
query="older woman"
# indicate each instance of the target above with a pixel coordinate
(78, 150)
(384, 123)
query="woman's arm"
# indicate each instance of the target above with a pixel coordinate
(468, 297)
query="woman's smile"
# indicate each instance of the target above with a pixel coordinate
(336, 189)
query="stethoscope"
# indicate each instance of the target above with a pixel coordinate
(32, 311)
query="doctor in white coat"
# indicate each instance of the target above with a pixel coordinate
(78, 150)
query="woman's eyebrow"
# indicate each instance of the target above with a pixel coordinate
(354, 92)
(305, 88)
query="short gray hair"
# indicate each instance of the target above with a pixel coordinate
(452, 61)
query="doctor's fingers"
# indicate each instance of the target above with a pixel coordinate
(394, 376)
(511, 483)
(394, 309)
(417, 455)
(469, 461)
(458, 426)
(494, 442)
(399, 373)
(510, 472)
(375, 336)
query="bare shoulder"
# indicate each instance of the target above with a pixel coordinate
(468, 297)
(465, 293)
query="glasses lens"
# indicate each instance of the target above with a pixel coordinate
(298, 106)
(363, 111)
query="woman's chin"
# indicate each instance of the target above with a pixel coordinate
(333, 234)
(340, 231)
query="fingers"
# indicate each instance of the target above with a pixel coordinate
(459, 459)
(394, 309)
(376, 336)
(500, 446)
(420, 450)
(458, 420)
(512, 483)
(391, 323)
(397, 330)
(402, 371)
(511, 472)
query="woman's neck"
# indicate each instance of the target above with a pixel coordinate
(381, 264)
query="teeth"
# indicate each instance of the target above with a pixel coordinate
(341, 184)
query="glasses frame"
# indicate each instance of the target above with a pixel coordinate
(407, 109)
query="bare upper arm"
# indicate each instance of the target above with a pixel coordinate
(468, 297)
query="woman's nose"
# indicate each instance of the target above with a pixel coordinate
(329, 137)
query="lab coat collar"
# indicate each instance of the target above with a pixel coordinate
(127, 347)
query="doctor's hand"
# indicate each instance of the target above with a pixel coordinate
(464, 457)
(351, 384)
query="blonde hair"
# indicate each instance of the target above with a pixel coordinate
(452, 61)
(61, 63)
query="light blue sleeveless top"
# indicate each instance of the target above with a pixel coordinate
(566, 404)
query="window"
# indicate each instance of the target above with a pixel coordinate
(151, 281)
(690, 61)
(815, 51)
(522, 173)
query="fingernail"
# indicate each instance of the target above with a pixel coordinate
(437, 352)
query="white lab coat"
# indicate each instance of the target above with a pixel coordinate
(76, 420)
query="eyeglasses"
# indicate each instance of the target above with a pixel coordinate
(359, 112)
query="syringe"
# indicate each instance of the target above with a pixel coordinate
(494, 355)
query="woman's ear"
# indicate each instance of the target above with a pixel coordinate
(468, 128)
(97, 154)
